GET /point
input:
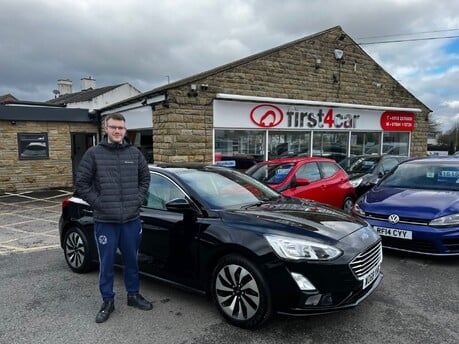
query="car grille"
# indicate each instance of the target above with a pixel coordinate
(367, 261)
(406, 220)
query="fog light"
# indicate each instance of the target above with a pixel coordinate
(302, 282)
(313, 300)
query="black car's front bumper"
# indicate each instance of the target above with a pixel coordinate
(350, 300)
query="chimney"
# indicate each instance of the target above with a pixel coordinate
(88, 83)
(64, 86)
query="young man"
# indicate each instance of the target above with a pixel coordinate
(113, 177)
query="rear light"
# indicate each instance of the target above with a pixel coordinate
(65, 202)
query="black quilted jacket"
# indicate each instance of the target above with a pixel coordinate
(114, 180)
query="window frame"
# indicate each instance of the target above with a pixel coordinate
(25, 139)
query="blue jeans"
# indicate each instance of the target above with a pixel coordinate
(109, 237)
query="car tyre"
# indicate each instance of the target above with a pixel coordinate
(77, 251)
(240, 292)
(348, 204)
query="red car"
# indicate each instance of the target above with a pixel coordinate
(318, 179)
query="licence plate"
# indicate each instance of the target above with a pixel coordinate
(395, 233)
(371, 276)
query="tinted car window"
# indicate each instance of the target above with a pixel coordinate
(389, 164)
(424, 176)
(309, 171)
(272, 173)
(227, 190)
(161, 191)
(328, 169)
(363, 165)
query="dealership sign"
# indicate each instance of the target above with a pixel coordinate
(233, 114)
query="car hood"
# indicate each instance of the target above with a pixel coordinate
(412, 203)
(295, 217)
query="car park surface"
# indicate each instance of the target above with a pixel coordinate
(415, 208)
(254, 251)
(45, 303)
(318, 179)
(365, 171)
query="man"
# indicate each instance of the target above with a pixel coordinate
(113, 177)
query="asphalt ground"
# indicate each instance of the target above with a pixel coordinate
(29, 220)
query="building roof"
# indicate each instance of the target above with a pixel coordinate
(7, 98)
(82, 96)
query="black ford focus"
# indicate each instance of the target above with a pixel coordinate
(255, 252)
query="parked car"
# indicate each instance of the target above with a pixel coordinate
(415, 207)
(35, 150)
(365, 171)
(218, 231)
(240, 162)
(318, 179)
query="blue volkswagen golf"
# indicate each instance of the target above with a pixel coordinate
(415, 208)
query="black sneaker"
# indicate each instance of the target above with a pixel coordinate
(105, 310)
(139, 302)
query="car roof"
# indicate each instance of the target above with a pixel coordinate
(435, 159)
(296, 160)
(180, 167)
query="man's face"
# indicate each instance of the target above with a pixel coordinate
(115, 131)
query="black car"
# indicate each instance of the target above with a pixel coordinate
(365, 171)
(218, 231)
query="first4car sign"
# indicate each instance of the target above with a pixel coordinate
(231, 114)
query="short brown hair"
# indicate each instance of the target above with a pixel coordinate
(114, 115)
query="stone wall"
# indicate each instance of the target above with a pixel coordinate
(183, 132)
(55, 172)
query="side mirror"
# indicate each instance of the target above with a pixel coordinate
(302, 182)
(178, 205)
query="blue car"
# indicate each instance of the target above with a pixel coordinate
(415, 208)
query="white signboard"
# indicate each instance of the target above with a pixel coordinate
(260, 115)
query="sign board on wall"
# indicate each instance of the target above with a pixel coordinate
(256, 115)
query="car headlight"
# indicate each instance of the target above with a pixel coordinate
(355, 182)
(296, 249)
(356, 209)
(445, 221)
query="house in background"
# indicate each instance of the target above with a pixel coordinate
(42, 143)
(91, 97)
(7, 98)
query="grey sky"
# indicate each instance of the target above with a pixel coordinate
(142, 42)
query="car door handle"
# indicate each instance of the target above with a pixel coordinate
(86, 211)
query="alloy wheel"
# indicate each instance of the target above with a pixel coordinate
(237, 292)
(74, 250)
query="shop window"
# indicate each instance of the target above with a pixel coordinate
(396, 143)
(365, 143)
(288, 144)
(241, 144)
(33, 146)
(331, 145)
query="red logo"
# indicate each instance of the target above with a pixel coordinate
(266, 115)
(397, 121)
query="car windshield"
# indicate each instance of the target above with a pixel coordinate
(424, 176)
(360, 165)
(224, 188)
(271, 173)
